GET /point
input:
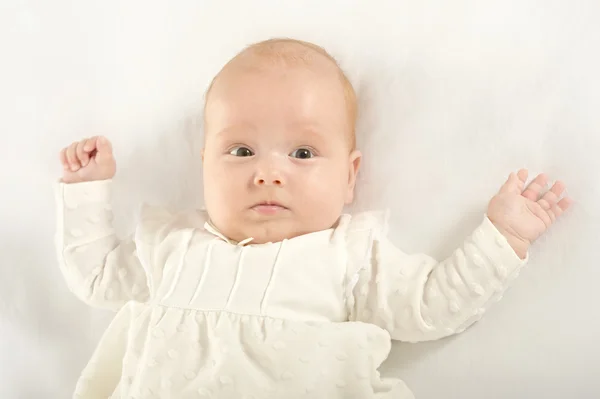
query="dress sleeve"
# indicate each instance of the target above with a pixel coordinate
(417, 298)
(99, 268)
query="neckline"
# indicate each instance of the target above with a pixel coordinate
(210, 227)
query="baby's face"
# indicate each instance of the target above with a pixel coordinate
(278, 159)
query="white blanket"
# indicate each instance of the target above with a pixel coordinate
(453, 95)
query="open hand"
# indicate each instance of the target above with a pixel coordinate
(87, 160)
(522, 214)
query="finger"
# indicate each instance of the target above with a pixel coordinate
(90, 144)
(72, 157)
(508, 185)
(545, 204)
(552, 196)
(522, 174)
(63, 159)
(82, 155)
(515, 183)
(545, 215)
(559, 208)
(554, 212)
(534, 189)
(564, 204)
(104, 148)
(103, 145)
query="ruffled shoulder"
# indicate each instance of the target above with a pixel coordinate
(361, 231)
(376, 221)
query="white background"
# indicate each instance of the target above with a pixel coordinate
(454, 96)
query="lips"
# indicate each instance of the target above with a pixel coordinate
(270, 203)
(269, 207)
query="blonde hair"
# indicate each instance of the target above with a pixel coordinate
(285, 50)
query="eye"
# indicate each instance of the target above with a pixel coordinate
(241, 152)
(302, 153)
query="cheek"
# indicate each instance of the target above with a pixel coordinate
(324, 186)
(224, 182)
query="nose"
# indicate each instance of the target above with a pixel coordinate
(268, 176)
(266, 180)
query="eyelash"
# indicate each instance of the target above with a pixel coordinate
(233, 149)
(312, 153)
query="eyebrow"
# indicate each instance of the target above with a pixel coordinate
(235, 129)
(309, 128)
(312, 129)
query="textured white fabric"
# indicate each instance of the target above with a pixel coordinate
(310, 317)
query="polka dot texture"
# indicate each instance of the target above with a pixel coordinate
(202, 317)
(417, 298)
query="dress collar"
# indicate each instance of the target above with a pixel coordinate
(208, 226)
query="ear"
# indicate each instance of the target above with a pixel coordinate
(202, 154)
(354, 160)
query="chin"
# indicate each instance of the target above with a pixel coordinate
(270, 231)
(263, 238)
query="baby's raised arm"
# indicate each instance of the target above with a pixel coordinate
(100, 269)
(417, 298)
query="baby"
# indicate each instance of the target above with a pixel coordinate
(272, 291)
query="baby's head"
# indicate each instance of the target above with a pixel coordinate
(279, 156)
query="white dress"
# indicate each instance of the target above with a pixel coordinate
(200, 316)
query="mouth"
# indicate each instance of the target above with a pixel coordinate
(269, 208)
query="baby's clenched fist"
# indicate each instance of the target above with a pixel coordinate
(87, 160)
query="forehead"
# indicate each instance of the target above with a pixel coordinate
(248, 94)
